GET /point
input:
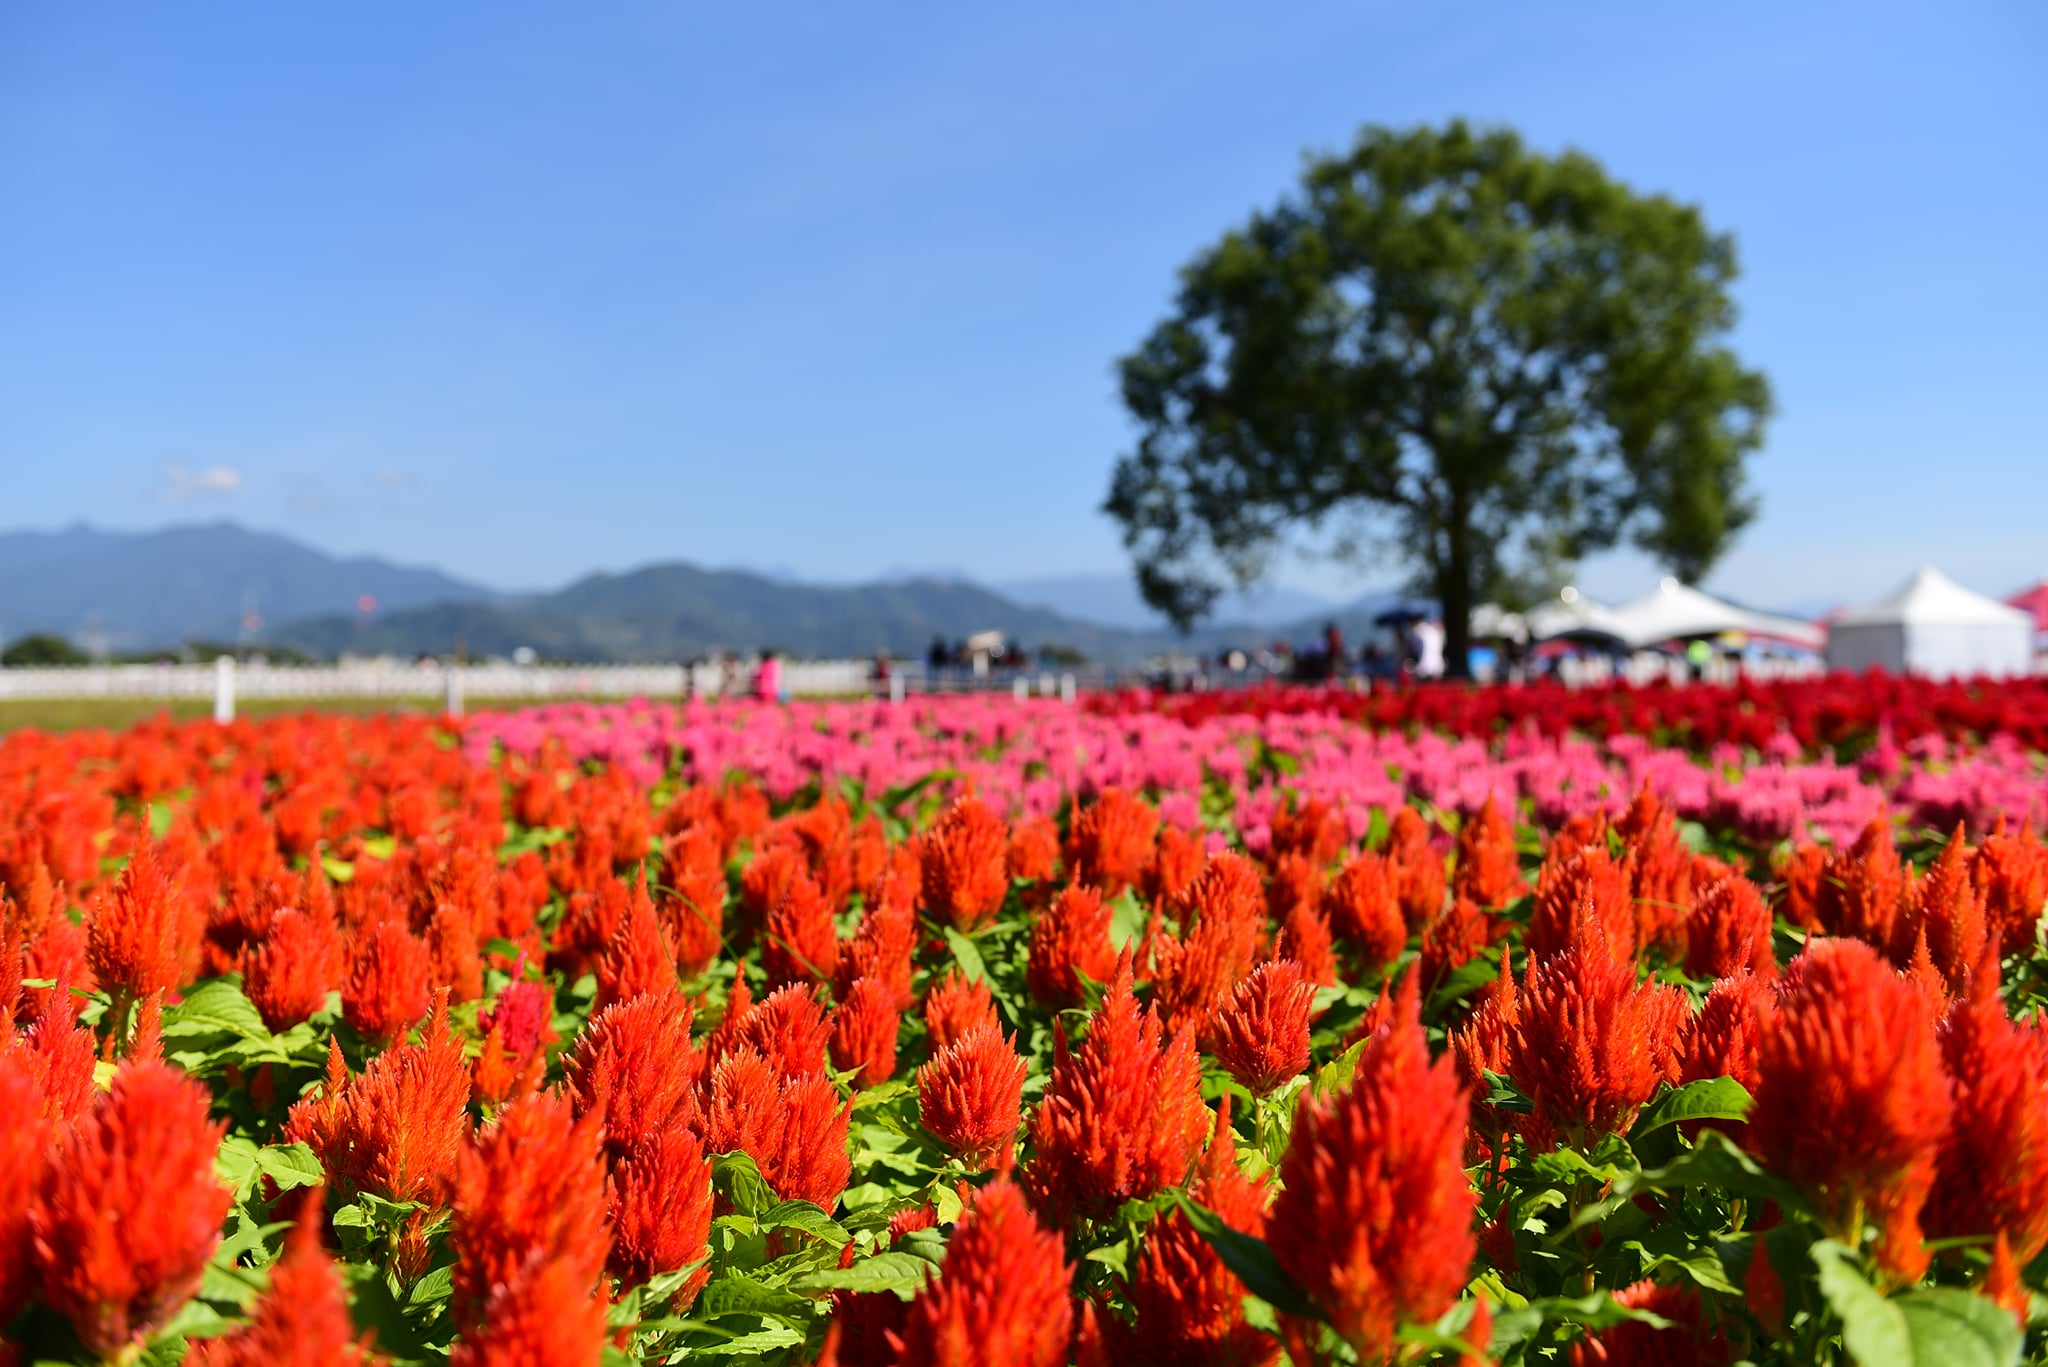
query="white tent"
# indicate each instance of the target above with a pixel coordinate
(1677, 612)
(1934, 626)
(1574, 617)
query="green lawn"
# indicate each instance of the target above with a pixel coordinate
(66, 714)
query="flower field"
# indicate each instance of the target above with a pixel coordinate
(1213, 1030)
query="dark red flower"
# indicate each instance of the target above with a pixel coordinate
(969, 1095)
(131, 1209)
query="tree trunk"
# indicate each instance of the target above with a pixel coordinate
(1454, 588)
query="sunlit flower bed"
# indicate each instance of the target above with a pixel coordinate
(982, 1033)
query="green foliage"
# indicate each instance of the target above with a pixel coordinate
(42, 648)
(1500, 361)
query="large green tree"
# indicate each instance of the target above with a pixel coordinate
(1491, 360)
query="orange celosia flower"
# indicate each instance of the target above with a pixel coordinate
(955, 1006)
(302, 1319)
(1723, 1040)
(1122, 1117)
(1363, 903)
(1992, 1174)
(661, 1212)
(1225, 918)
(289, 975)
(1109, 843)
(1176, 862)
(1858, 892)
(966, 865)
(531, 1186)
(1661, 869)
(1260, 1033)
(452, 950)
(1420, 865)
(62, 1054)
(1001, 1299)
(1305, 938)
(639, 959)
(2011, 876)
(131, 1209)
(1851, 1100)
(790, 1029)
(969, 1095)
(1190, 1306)
(1069, 941)
(24, 1148)
(389, 987)
(1455, 938)
(397, 1129)
(1374, 1216)
(549, 1315)
(800, 944)
(1592, 1044)
(1313, 829)
(694, 916)
(1691, 1340)
(634, 1063)
(1489, 869)
(882, 948)
(809, 1161)
(1571, 887)
(2002, 1285)
(144, 934)
(1802, 874)
(1945, 911)
(1034, 852)
(864, 1033)
(1729, 931)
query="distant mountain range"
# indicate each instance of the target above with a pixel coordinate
(140, 590)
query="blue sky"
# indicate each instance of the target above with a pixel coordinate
(526, 290)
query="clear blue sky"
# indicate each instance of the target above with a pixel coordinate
(529, 289)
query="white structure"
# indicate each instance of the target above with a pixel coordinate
(1574, 617)
(1936, 627)
(1677, 612)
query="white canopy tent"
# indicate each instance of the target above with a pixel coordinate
(1573, 617)
(1936, 627)
(1676, 612)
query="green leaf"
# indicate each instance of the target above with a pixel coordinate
(1336, 1075)
(1249, 1257)
(215, 1007)
(437, 1285)
(1126, 919)
(736, 1176)
(807, 1218)
(733, 1294)
(236, 1164)
(1718, 1098)
(1952, 1326)
(968, 957)
(290, 1165)
(901, 1273)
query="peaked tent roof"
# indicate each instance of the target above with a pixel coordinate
(2035, 602)
(1931, 597)
(1577, 617)
(1676, 610)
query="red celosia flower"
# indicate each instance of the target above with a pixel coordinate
(531, 1186)
(1945, 910)
(1992, 1174)
(144, 935)
(1122, 1117)
(955, 1006)
(131, 1209)
(1489, 869)
(1374, 1217)
(1002, 1297)
(1456, 937)
(1034, 852)
(2011, 875)
(694, 917)
(969, 1095)
(639, 959)
(547, 1316)
(1294, 881)
(661, 1212)
(515, 1028)
(1729, 931)
(740, 1107)
(800, 944)
(1661, 869)
(790, 1029)
(1723, 1040)
(1225, 918)
(1312, 829)
(766, 878)
(452, 950)
(1592, 1044)
(24, 1148)
(1691, 1340)
(864, 1033)
(882, 948)
(289, 975)
(1572, 887)
(1802, 873)
(1363, 903)
(62, 1054)
(635, 1064)
(1858, 893)
(1305, 938)
(396, 1130)
(1069, 941)
(1109, 844)
(302, 1319)
(1190, 1306)
(966, 865)
(1176, 862)
(809, 1161)
(1260, 1033)
(1420, 865)
(2002, 1285)
(389, 988)
(1851, 1101)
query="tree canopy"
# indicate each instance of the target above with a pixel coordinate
(1492, 360)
